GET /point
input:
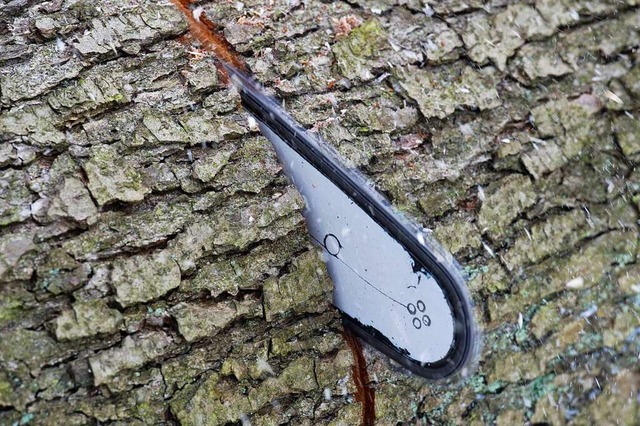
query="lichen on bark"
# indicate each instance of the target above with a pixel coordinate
(154, 266)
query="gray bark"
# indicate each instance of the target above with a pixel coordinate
(154, 265)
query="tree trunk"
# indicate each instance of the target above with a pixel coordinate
(154, 264)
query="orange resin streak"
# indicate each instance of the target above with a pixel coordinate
(208, 35)
(365, 393)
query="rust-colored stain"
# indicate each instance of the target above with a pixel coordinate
(207, 33)
(365, 393)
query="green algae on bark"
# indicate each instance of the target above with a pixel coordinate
(441, 93)
(292, 292)
(143, 278)
(111, 178)
(358, 53)
(510, 131)
(87, 319)
(133, 353)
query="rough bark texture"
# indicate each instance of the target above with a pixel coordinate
(154, 265)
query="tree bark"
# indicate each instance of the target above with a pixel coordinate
(154, 265)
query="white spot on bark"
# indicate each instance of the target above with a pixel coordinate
(536, 141)
(327, 394)
(466, 129)
(382, 77)
(342, 385)
(520, 320)
(488, 249)
(253, 124)
(613, 97)
(589, 312)
(61, 46)
(197, 13)
(481, 195)
(263, 366)
(575, 283)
